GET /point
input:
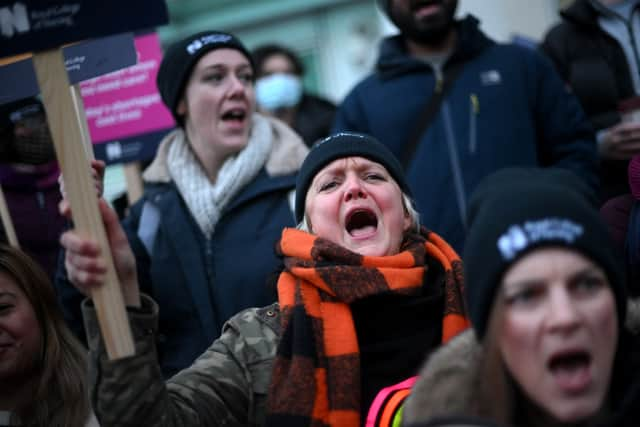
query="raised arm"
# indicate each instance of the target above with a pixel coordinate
(225, 386)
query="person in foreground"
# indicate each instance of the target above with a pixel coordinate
(224, 177)
(548, 302)
(364, 295)
(43, 378)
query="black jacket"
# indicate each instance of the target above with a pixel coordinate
(197, 282)
(314, 117)
(595, 66)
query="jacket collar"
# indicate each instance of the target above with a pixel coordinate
(394, 58)
(583, 13)
(287, 153)
(445, 383)
(447, 379)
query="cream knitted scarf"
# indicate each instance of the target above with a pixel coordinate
(205, 200)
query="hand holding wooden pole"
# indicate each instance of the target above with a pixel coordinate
(70, 149)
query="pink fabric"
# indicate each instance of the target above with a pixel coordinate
(382, 395)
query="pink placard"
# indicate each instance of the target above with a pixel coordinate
(126, 103)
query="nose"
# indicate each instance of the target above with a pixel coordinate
(563, 315)
(237, 87)
(354, 189)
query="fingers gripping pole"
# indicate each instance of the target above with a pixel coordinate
(70, 150)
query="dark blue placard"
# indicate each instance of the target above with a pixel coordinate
(136, 148)
(100, 56)
(17, 81)
(83, 61)
(33, 25)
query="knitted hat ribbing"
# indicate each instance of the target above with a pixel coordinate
(516, 210)
(182, 56)
(340, 145)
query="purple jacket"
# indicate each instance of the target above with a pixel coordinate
(32, 196)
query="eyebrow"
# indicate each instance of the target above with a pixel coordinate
(579, 274)
(225, 65)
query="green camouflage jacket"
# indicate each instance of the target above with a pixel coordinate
(226, 386)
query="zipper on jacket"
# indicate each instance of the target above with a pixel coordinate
(209, 261)
(474, 110)
(40, 199)
(439, 82)
(634, 44)
(458, 183)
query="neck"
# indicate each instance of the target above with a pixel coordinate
(422, 49)
(534, 416)
(13, 393)
(287, 115)
(209, 159)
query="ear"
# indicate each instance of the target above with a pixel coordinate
(408, 222)
(182, 107)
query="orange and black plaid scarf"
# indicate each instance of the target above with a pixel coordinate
(316, 374)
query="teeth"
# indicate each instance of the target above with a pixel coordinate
(234, 114)
(361, 219)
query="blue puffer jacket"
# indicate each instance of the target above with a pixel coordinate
(199, 283)
(507, 107)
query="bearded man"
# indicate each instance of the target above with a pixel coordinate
(455, 106)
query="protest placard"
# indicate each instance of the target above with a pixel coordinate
(42, 27)
(125, 114)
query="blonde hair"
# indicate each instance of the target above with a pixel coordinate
(493, 386)
(60, 394)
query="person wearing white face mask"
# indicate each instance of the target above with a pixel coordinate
(280, 93)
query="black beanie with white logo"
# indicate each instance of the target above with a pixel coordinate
(338, 146)
(517, 210)
(180, 58)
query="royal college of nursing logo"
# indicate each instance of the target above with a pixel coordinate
(520, 236)
(198, 43)
(16, 18)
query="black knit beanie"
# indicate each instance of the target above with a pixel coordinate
(516, 210)
(182, 56)
(340, 145)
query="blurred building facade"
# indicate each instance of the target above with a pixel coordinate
(336, 39)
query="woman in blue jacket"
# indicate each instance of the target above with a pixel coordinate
(216, 199)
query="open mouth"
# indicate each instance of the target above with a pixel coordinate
(361, 222)
(236, 115)
(426, 7)
(571, 369)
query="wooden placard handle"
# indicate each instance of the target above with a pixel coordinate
(82, 120)
(81, 193)
(5, 215)
(135, 186)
